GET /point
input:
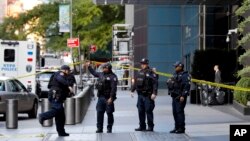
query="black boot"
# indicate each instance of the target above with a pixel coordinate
(140, 129)
(109, 130)
(173, 131)
(150, 129)
(63, 134)
(180, 131)
(99, 130)
(40, 119)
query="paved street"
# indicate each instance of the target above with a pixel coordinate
(203, 124)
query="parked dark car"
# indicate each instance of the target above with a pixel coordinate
(11, 88)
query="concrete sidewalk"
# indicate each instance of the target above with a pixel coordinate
(202, 123)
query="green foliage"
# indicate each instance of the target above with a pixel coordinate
(245, 7)
(243, 24)
(245, 72)
(92, 23)
(37, 20)
(244, 56)
(241, 96)
(244, 40)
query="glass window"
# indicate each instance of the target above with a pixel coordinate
(12, 86)
(45, 76)
(9, 55)
(20, 86)
(2, 86)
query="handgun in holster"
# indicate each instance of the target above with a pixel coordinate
(54, 94)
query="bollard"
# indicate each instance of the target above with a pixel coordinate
(75, 89)
(46, 107)
(11, 113)
(70, 111)
(78, 109)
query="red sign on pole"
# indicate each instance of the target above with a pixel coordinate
(73, 42)
(92, 48)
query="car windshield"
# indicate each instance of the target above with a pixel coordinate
(45, 75)
(2, 86)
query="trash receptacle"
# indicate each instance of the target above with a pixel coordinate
(11, 113)
(70, 111)
(46, 107)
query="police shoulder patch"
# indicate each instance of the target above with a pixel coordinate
(114, 79)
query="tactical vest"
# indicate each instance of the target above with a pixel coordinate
(103, 85)
(57, 91)
(143, 82)
(176, 87)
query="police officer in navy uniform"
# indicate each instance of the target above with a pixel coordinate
(146, 86)
(179, 87)
(59, 90)
(107, 87)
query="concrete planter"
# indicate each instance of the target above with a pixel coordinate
(241, 108)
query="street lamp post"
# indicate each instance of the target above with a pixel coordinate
(71, 26)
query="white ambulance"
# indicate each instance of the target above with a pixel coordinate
(18, 60)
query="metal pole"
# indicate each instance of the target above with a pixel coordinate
(71, 17)
(11, 113)
(204, 27)
(80, 66)
(71, 27)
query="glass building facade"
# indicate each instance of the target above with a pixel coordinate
(168, 33)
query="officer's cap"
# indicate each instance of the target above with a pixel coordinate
(65, 67)
(107, 65)
(144, 61)
(178, 64)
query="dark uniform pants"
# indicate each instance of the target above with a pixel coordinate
(57, 111)
(145, 107)
(178, 112)
(101, 107)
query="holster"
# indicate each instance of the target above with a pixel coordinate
(174, 95)
(54, 94)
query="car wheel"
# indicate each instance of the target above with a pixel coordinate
(33, 112)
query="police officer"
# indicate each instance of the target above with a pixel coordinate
(155, 73)
(107, 87)
(59, 90)
(146, 86)
(178, 87)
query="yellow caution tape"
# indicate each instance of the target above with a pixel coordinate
(160, 73)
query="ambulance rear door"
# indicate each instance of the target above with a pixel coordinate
(27, 64)
(8, 58)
